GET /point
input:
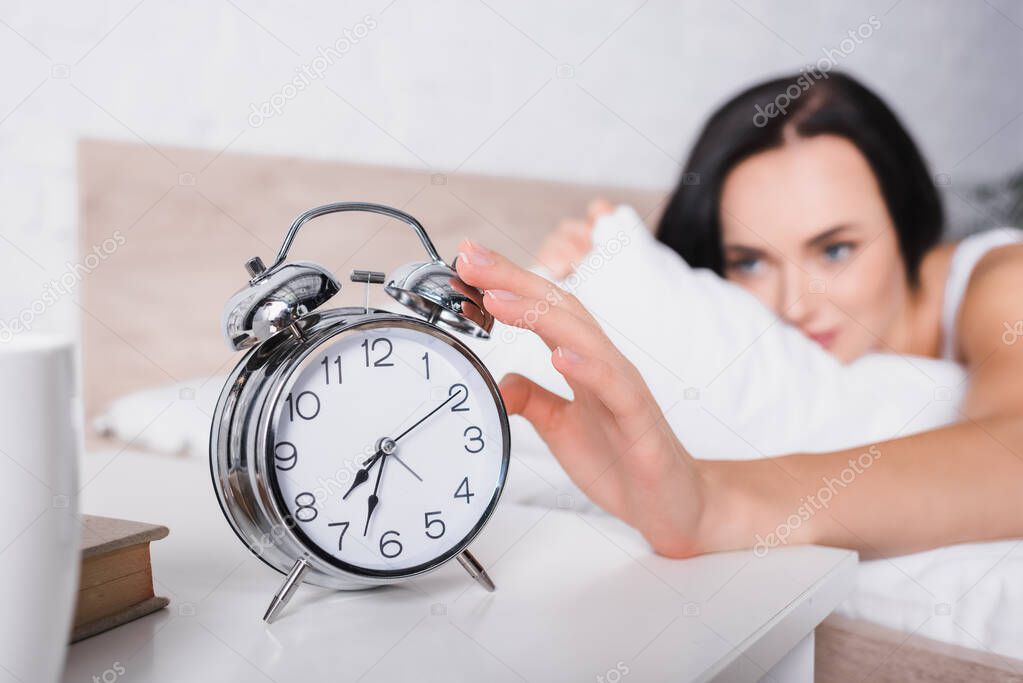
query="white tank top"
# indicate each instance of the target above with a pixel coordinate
(964, 259)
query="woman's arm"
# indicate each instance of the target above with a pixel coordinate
(960, 483)
(963, 482)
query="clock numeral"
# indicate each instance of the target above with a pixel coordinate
(289, 458)
(433, 522)
(426, 359)
(393, 543)
(467, 494)
(306, 405)
(456, 389)
(326, 363)
(476, 438)
(305, 512)
(382, 361)
(344, 529)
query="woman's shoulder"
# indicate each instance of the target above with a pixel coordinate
(1002, 248)
(983, 276)
(985, 259)
(967, 252)
(996, 274)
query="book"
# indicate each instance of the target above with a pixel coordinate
(115, 583)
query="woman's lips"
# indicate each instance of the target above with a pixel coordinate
(825, 339)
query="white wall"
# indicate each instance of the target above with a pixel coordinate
(604, 92)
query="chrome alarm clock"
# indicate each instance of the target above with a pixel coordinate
(355, 447)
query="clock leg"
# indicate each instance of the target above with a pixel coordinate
(286, 590)
(476, 570)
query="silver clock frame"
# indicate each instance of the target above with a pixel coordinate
(242, 458)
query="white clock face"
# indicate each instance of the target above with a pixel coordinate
(389, 449)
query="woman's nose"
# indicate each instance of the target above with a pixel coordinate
(794, 305)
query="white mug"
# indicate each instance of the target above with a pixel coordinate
(39, 525)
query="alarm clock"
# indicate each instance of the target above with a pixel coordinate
(355, 447)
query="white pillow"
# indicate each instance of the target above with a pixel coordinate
(172, 418)
(735, 382)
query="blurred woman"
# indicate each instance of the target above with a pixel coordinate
(827, 214)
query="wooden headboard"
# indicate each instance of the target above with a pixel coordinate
(174, 227)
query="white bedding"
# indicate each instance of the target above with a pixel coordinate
(738, 385)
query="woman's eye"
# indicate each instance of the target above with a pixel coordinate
(747, 266)
(838, 251)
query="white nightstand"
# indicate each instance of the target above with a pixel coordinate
(579, 597)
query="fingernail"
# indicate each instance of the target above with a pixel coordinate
(569, 355)
(503, 295)
(476, 254)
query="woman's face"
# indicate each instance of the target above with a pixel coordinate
(806, 230)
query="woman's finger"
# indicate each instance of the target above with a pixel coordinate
(597, 208)
(525, 397)
(618, 387)
(576, 233)
(584, 355)
(549, 415)
(556, 256)
(554, 325)
(564, 254)
(488, 270)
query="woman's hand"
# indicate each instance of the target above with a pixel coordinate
(571, 241)
(612, 438)
(615, 444)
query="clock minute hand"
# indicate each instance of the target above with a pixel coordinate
(374, 500)
(424, 417)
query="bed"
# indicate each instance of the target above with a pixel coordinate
(187, 220)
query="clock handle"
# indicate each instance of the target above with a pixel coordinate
(364, 207)
(287, 590)
(476, 570)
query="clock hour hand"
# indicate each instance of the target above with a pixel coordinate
(363, 474)
(374, 499)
